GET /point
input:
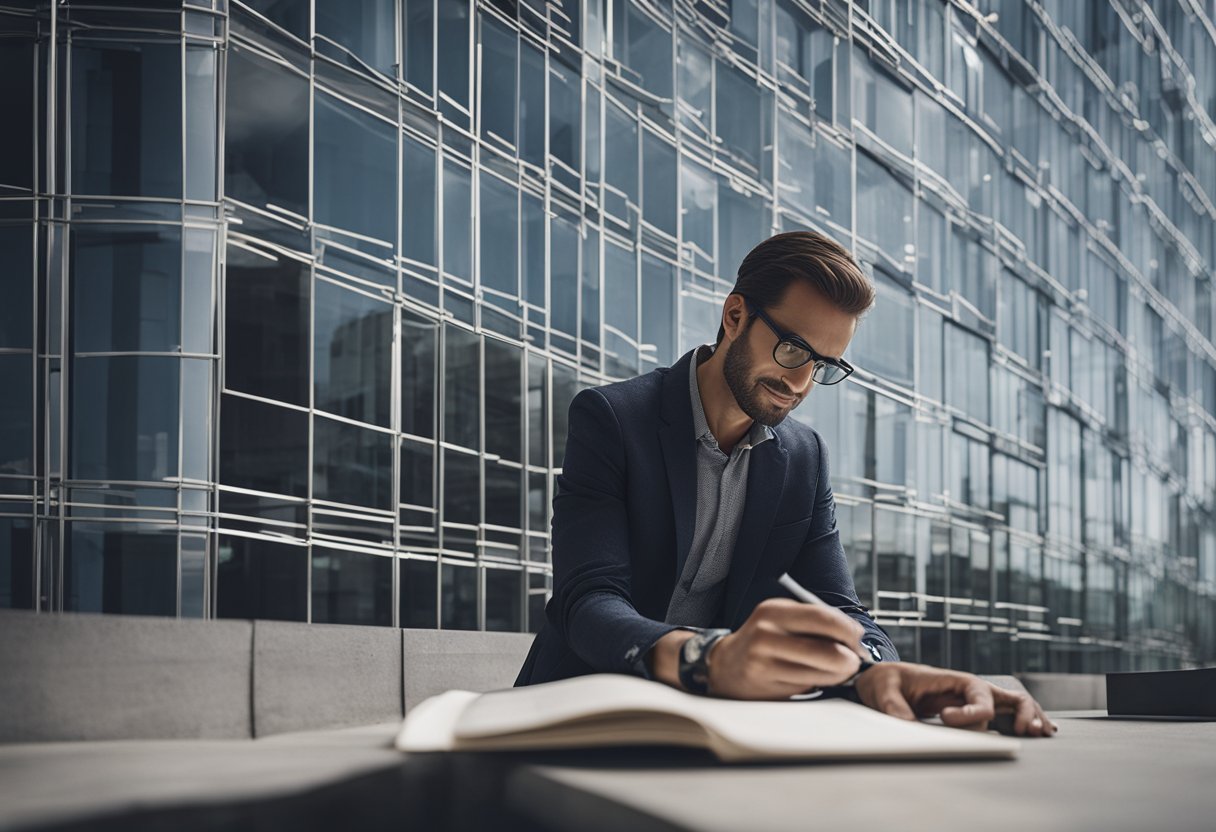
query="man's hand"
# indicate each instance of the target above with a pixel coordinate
(784, 648)
(911, 691)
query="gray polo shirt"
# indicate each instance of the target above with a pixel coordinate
(721, 494)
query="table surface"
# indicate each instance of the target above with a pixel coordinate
(1097, 773)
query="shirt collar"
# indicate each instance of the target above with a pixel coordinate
(756, 434)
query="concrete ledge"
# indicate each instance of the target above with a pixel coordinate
(100, 677)
(308, 676)
(1067, 691)
(440, 660)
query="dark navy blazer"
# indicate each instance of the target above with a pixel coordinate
(623, 522)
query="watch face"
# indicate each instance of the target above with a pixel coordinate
(695, 645)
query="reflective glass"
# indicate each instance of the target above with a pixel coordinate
(565, 135)
(461, 487)
(16, 415)
(740, 116)
(695, 68)
(457, 225)
(504, 410)
(833, 182)
(459, 597)
(658, 182)
(499, 56)
(418, 17)
(532, 131)
(743, 221)
(620, 301)
(265, 133)
(263, 447)
(462, 388)
(419, 356)
(884, 212)
(883, 343)
(261, 579)
(643, 46)
(504, 495)
(363, 27)
(351, 588)
(419, 594)
(418, 201)
(352, 465)
(267, 325)
(967, 372)
(196, 418)
(201, 123)
(118, 148)
(16, 563)
(504, 600)
(352, 355)
(538, 410)
(126, 288)
(883, 106)
(589, 326)
(292, 15)
(499, 227)
(452, 50)
(417, 473)
(698, 198)
(620, 157)
(658, 309)
(355, 165)
(17, 287)
(795, 163)
(533, 250)
(563, 275)
(121, 569)
(124, 418)
(17, 97)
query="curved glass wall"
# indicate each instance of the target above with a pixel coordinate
(297, 294)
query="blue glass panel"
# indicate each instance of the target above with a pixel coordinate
(17, 286)
(124, 418)
(355, 161)
(352, 355)
(363, 27)
(263, 447)
(352, 465)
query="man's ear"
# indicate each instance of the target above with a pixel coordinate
(734, 315)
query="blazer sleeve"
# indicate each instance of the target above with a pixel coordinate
(591, 606)
(821, 565)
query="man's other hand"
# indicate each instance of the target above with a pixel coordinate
(962, 700)
(784, 648)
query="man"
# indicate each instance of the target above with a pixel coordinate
(685, 494)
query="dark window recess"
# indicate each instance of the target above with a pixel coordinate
(124, 416)
(263, 447)
(352, 355)
(504, 600)
(120, 569)
(261, 579)
(419, 594)
(266, 133)
(16, 563)
(123, 143)
(351, 588)
(459, 597)
(351, 464)
(266, 331)
(419, 345)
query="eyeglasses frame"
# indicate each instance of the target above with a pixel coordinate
(783, 336)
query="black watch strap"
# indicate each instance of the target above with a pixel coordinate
(694, 655)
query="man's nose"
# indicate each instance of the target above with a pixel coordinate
(799, 380)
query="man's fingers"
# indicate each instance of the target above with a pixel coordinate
(1028, 718)
(810, 620)
(830, 657)
(889, 698)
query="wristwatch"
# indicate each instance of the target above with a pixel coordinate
(694, 655)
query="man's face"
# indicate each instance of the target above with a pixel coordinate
(763, 389)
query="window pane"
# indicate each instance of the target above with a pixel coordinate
(265, 147)
(883, 343)
(499, 211)
(263, 447)
(16, 415)
(457, 222)
(118, 148)
(659, 182)
(699, 193)
(620, 157)
(417, 473)
(743, 222)
(419, 352)
(124, 418)
(201, 123)
(884, 212)
(459, 597)
(461, 487)
(356, 170)
(121, 569)
(967, 372)
(504, 413)
(563, 276)
(351, 464)
(16, 563)
(453, 48)
(418, 201)
(504, 600)
(267, 326)
(565, 139)
(17, 286)
(351, 588)
(739, 116)
(504, 495)
(833, 184)
(261, 579)
(126, 288)
(538, 413)
(499, 56)
(462, 388)
(621, 305)
(352, 354)
(365, 27)
(419, 18)
(17, 98)
(532, 105)
(658, 309)
(419, 594)
(644, 46)
(196, 418)
(796, 164)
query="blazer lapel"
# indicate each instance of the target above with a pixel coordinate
(765, 485)
(679, 455)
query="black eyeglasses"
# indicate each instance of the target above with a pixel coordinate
(792, 352)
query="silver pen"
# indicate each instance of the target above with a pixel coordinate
(807, 597)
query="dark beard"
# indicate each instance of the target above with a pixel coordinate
(749, 395)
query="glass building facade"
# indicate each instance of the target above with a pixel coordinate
(296, 294)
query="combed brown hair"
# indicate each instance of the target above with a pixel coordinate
(769, 268)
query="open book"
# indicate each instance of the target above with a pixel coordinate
(613, 710)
